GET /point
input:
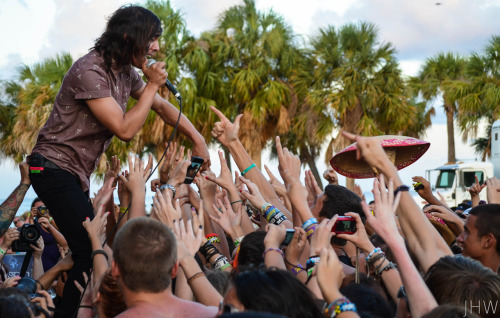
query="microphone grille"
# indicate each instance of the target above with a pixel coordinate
(150, 62)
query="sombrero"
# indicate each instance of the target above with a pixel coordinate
(402, 150)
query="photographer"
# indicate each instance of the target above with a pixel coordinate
(49, 232)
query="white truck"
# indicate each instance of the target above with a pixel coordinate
(453, 179)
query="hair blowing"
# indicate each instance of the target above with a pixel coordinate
(127, 36)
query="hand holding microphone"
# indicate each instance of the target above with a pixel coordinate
(167, 83)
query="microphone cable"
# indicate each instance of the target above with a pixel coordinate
(126, 210)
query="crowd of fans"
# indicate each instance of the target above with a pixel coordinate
(251, 246)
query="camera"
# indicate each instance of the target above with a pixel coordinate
(288, 236)
(418, 186)
(344, 225)
(42, 210)
(28, 234)
(193, 169)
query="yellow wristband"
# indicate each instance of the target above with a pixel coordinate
(123, 209)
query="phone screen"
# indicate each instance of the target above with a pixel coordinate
(344, 224)
(288, 236)
(193, 169)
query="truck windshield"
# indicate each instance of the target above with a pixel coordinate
(445, 179)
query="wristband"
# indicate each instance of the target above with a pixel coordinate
(123, 210)
(309, 222)
(238, 241)
(376, 250)
(247, 169)
(265, 207)
(2, 251)
(297, 269)
(169, 186)
(163, 182)
(311, 261)
(273, 249)
(339, 306)
(220, 262)
(310, 230)
(213, 238)
(376, 258)
(236, 201)
(225, 266)
(94, 253)
(195, 276)
(401, 188)
(51, 219)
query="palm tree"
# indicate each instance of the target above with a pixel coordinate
(360, 81)
(260, 53)
(478, 95)
(33, 94)
(432, 82)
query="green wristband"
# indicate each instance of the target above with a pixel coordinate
(247, 169)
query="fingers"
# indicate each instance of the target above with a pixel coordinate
(279, 148)
(219, 114)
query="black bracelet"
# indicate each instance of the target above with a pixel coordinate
(86, 306)
(94, 253)
(39, 284)
(401, 188)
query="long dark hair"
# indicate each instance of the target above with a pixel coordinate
(128, 33)
(275, 291)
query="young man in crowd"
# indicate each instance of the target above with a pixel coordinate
(144, 264)
(481, 235)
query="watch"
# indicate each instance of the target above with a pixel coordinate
(169, 186)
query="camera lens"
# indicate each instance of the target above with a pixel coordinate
(32, 234)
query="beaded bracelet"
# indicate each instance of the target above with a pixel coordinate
(376, 250)
(311, 261)
(247, 169)
(309, 222)
(339, 306)
(94, 253)
(213, 238)
(387, 267)
(273, 249)
(195, 276)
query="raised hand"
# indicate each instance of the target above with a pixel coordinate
(369, 149)
(289, 164)
(322, 235)
(38, 247)
(383, 220)
(103, 195)
(224, 180)
(10, 236)
(426, 190)
(253, 194)
(476, 188)
(360, 237)
(228, 219)
(188, 241)
(164, 210)
(224, 130)
(112, 170)
(136, 178)
(313, 190)
(296, 247)
(96, 228)
(330, 274)
(331, 176)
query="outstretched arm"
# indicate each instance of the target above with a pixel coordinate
(10, 206)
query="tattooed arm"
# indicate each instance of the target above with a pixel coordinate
(10, 206)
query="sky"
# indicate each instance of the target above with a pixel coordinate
(36, 29)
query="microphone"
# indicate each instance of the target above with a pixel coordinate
(169, 85)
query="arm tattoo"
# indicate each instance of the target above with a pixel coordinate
(10, 206)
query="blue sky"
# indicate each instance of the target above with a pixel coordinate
(36, 29)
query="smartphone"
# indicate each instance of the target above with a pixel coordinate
(344, 225)
(193, 169)
(288, 236)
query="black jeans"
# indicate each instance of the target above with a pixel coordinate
(69, 205)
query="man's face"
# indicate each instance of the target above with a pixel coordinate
(153, 47)
(471, 243)
(315, 209)
(17, 222)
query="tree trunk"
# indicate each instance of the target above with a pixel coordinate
(451, 133)
(227, 155)
(315, 172)
(349, 183)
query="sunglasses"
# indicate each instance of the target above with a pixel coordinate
(15, 221)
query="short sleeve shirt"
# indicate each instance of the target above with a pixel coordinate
(72, 137)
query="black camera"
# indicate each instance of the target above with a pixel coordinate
(28, 234)
(42, 210)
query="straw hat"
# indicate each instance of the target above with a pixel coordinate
(402, 150)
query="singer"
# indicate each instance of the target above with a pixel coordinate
(90, 108)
